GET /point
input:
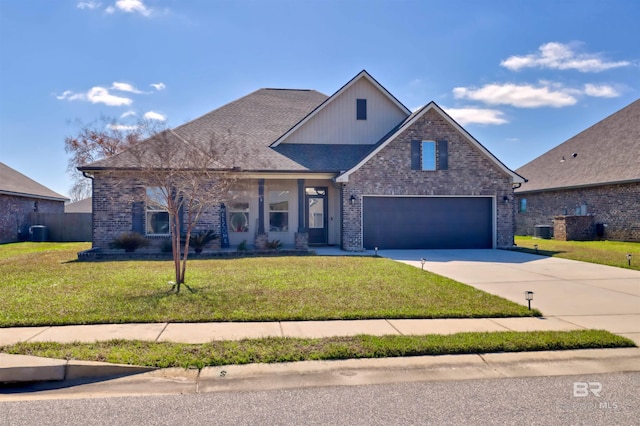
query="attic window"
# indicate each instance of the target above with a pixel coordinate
(361, 109)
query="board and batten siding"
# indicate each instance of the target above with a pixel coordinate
(337, 122)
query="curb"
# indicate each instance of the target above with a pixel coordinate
(349, 372)
(30, 369)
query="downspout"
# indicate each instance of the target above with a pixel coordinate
(93, 209)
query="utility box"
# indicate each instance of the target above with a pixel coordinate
(38, 233)
(542, 231)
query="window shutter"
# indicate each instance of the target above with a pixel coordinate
(137, 217)
(443, 154)
(361, 109)
(415, 155)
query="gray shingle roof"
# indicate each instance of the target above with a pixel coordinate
(81, 206)
(242, 130)
(13, 182)
(606, 152)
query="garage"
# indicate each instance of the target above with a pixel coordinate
(427, 222)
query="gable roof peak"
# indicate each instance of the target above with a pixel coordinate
(362, 74)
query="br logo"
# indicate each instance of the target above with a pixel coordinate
(582, 389)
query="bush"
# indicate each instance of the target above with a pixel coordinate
(129, 241)
(274, 244)
(201, 239)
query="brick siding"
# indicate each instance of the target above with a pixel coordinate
(616, 206)
(113, 197)
(14, 220)
(470, 172)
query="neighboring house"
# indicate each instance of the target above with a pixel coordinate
(356, 169)
(81, 206)
(595, 173)
(20, 196)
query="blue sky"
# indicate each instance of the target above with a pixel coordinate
(520, 76)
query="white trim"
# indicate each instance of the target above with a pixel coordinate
(515, 178)
(494, 210)
(362, 74)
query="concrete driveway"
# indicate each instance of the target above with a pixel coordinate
(583, 294)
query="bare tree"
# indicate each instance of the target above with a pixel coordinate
(97, 140)
(182, 177)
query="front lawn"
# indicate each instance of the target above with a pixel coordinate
(282, 349)
(612, 253)
(43, 284)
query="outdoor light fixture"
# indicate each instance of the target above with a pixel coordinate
(505, 199)
(528, 295)
(376, 250)
(629, 259)
(422, 261)
(535, 246)
(352, 199)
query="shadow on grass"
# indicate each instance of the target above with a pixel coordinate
(549, 253)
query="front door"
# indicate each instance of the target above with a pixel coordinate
(316, 214)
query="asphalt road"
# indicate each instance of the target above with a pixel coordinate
(537, 400)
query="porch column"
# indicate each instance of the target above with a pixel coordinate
(302, 236)
(260, 206)
(262, 238)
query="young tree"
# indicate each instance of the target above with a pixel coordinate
(185, 179)
(180, 176)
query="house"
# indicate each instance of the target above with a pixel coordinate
(19, 197)
(356, 169)
(594, 177)
(80, 206)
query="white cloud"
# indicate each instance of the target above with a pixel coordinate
(602, 91)
(100, 95)
(158, 86)
(124, 87)
(152, 115)
(521, 96)
(121, 127)
(129, 113)
(70, 96)
(89, 4)
(561, 57)
(110, 10)
(131, 6)
(470, 115)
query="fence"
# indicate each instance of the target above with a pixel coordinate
(64, 227)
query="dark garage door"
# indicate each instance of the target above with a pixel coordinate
(427, 222)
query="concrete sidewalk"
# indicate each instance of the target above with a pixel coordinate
(19, 368)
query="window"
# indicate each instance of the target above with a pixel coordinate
(361, 109)
(522, 206)
(239, 217)
(278, 211)
(428, 155)
(156, 216)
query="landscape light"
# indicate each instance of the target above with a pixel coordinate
(629, 259)
(422, 261)
(528, 296)
(535, 246)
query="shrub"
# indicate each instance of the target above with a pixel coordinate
(243, 246)
(201, 239)
(274, 244)
(129, 241)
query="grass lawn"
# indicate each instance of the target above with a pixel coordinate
(612, 253)
(271, 350)
(43, 284)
